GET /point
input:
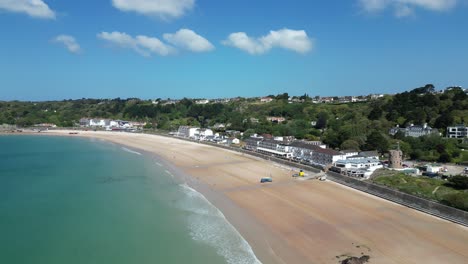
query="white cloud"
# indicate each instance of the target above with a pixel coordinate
(404, 8)
(295, 40)
(241, 41)
(144, 45)
(34, 8)
(159, 8)
(188, 39)
(69, 42)
(403, 11)
(154, 45)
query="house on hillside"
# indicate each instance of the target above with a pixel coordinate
(202, 101)
(414, 130)
(219, 126)
(266, 99)
(254, 120)
(459, 131)
(276, 119)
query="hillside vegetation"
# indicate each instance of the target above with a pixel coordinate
(359, 126)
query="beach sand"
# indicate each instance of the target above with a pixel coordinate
(293, 221)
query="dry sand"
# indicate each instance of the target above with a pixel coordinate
(292, 221)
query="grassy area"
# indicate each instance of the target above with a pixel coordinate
(432, 189)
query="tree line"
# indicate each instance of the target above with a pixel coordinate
(358, 126)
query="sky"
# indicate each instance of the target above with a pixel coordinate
(55, 49)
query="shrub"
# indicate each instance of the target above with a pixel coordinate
(458, 182)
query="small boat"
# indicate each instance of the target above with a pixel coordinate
(73, 133)
(266, 179)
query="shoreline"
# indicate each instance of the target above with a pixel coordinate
(299, 222)
(247, 227)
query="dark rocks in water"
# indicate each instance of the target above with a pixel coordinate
(356, 260)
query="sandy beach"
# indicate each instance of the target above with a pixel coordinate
(293, 221)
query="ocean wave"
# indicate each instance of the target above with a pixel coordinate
(169, 173)
(131, 151)
(208, 225)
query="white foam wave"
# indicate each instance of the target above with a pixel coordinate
(131, 151)
(169, 173)
(208, 225)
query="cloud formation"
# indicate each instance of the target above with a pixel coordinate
(34, 8)
(294, 40)
(69, 42)
(403, 8)
(144, 45)
(160, 8)
(188, 39)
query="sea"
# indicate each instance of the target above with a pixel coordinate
(78, 200)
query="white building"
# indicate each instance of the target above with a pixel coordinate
(302, 150)
(359, 163)
(202, 102)
(114, 123)
(187, 131)
(414, 131)
(219, 126)
(195, 132)
(360, 168)
(326, 157)
(252, 143)
(349, 153)
(276, 119)
(459, 131)
(275, 148)
(99, 122)
(202, 133)
(266, 99)
(363, 155)
(233, 140)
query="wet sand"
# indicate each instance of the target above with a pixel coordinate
(293, 221)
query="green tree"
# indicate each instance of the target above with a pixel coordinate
(444, 157)
(458, 182)
(376, 141)
(350, 144)
(248, 133)
(322, 120)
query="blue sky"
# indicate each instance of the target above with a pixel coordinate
(55, 49)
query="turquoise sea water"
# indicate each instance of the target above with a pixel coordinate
(73, 200)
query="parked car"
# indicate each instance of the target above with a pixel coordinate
(266, 179)
(430, 174)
